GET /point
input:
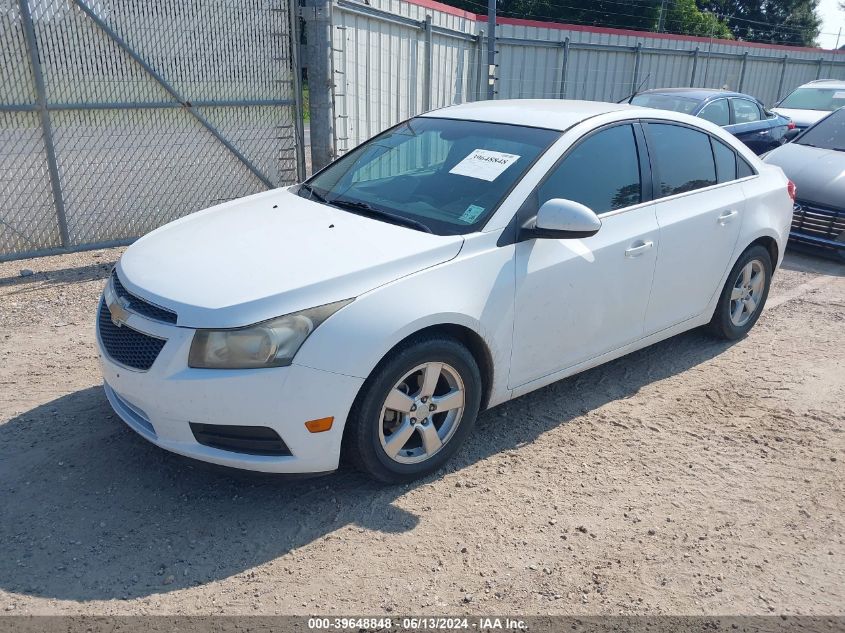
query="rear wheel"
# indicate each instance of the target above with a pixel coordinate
(744, 294)
(415, 410)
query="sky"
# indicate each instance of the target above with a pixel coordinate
(833, 19)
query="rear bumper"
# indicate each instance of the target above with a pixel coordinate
(161, 403)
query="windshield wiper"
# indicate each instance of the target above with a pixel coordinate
(313, 195)
(362, 208)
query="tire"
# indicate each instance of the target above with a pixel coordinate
(397, 445)
(732, 318)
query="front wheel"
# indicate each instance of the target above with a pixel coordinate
(744, 294)
(415, 410)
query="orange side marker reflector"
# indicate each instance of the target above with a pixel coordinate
(318, 426)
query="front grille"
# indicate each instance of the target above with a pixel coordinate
(125, 345)
(138, 305)
(818, 225)
(251, 440)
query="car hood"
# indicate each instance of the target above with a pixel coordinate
(271, 254)
(801, 118)
(818, 173)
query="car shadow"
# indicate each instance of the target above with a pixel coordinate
(90, 511)
(61, 277)
(806, 259)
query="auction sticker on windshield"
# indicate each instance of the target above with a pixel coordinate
(484, 164)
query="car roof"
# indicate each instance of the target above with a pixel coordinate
(699, 94)
(824, 83)
(553, 114)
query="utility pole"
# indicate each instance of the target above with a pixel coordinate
(660, 18)
(318, 62)
(491, 49)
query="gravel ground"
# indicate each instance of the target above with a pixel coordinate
(694, 477)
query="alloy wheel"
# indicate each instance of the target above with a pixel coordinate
(421, 413)
(747, 292)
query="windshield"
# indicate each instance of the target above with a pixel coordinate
(829, 133)
(815, 99)
(665, 102)
(442, 175)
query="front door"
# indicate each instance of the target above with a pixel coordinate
(578, 298)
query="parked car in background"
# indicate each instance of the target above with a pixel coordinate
(741, 115)
(453, 262)
(815, 161)
(811, 102)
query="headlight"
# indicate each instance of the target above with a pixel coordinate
(271, 343)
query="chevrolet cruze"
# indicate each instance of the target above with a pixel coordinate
(458, 260)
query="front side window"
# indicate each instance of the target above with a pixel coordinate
(602, 172)
(683, 158)
(828, 99)
(444, 175)
(745, 111)
(716, 112)
(829, 133)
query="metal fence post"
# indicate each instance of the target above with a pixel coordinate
(694, 66)
(296, 69)
(819, 71)
(318, 62)
(636, 76)
(742, 71)
(563, 68)
(46, 124)
(479, 65)
(491, 49)
(427, 61)
(782, 76)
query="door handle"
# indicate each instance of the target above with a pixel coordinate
(638, 248)
(727, 216)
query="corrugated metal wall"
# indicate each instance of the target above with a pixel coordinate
(389, 65)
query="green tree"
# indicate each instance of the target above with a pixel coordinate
(683, 16)
(679, 16)
(774, 21)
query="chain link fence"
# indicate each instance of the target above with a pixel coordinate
(117, 116)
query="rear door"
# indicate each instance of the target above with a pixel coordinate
(699, 205)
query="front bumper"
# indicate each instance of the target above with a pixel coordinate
(161, 403)
(819, 226)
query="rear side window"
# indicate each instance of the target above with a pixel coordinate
(716, 112)
(725, 161)
(745, 111)
(743, 169)
(683, 158)
(601, 172)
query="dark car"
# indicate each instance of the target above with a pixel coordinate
(741, 115)
(815, 162)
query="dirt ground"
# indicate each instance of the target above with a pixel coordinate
(694, 477)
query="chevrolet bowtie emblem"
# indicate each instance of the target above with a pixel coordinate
(117, 308)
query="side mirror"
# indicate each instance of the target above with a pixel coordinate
(562, 219)
(789, 135)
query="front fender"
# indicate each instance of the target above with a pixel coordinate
(474, 290)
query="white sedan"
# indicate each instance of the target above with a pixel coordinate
(458, 260)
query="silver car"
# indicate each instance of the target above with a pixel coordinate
(815, 162)
(811, 102)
